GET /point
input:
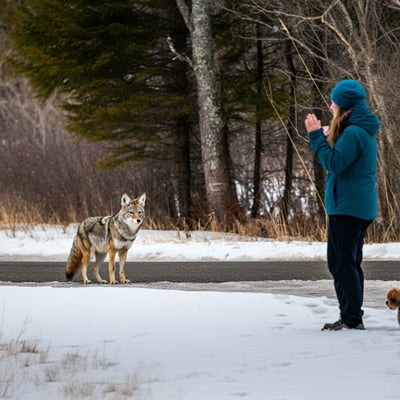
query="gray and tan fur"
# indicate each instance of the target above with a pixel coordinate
(101, 235)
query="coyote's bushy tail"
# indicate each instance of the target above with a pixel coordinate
(74, 260)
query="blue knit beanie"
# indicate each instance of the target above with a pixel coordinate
(347, 93)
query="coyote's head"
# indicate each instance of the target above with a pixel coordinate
(132, 210)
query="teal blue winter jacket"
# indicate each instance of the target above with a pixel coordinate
(351, 164)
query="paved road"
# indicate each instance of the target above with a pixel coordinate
(199, 272)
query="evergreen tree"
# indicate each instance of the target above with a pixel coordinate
(112, 69)
(109, 61)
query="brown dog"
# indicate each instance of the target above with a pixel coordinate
(393, 301)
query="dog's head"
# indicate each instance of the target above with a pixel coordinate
(393, 298)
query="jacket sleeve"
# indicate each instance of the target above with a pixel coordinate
(338, 158)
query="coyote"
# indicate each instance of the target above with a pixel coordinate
(102, 235)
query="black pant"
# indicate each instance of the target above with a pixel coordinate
(345, 244)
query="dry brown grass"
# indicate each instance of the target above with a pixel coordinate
(18, 354)
(13, 219)
(72, 371)
(23, 217)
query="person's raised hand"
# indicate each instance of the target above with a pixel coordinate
(312, 123)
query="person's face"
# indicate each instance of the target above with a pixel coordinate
(334, 108)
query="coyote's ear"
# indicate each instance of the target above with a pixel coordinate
(141, 199)
(125, 200)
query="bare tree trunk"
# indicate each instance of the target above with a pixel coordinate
(319, 172)
(221, 198)
(183, 126)
(286, 200)
(258, 142)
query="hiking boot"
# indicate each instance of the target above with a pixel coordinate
(339, 325)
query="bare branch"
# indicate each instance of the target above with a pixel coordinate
(177, 55)
(395, 4)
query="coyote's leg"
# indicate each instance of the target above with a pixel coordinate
(122, 258)
(95, 269)
(85, 263)
(111, 266)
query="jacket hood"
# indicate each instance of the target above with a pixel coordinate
(363, 117)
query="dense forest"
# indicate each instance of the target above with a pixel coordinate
(199, 104)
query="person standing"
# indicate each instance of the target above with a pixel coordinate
(347, 149)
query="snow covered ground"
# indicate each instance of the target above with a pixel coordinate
(103, 342)
(54, 244)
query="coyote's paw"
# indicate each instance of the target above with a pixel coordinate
(101, 281)
(87, 281)
(124, 280)
(113, 282)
